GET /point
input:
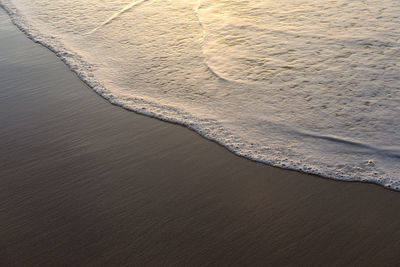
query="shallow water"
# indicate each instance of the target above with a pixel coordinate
(307, 85)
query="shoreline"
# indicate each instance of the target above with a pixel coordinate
(75, 66)
(84, 182)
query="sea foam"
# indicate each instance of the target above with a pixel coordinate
(304, 85)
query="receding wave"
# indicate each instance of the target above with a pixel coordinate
(303, 85)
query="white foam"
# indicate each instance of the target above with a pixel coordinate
(304, 85)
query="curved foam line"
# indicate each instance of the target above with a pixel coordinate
(209, 68)
(117, 14)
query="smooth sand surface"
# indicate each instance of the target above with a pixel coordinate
(86, 183)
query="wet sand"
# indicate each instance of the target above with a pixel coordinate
(86, 183)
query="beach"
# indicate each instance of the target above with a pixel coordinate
(87, 183)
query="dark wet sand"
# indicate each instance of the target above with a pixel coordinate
(86, 183)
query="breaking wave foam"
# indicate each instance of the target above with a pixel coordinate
(236, 105)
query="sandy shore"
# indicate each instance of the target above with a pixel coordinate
(83, 182)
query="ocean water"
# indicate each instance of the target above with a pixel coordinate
(307, 85)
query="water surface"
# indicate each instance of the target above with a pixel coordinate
(307, 85)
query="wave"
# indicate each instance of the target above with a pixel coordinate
(211, 129)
